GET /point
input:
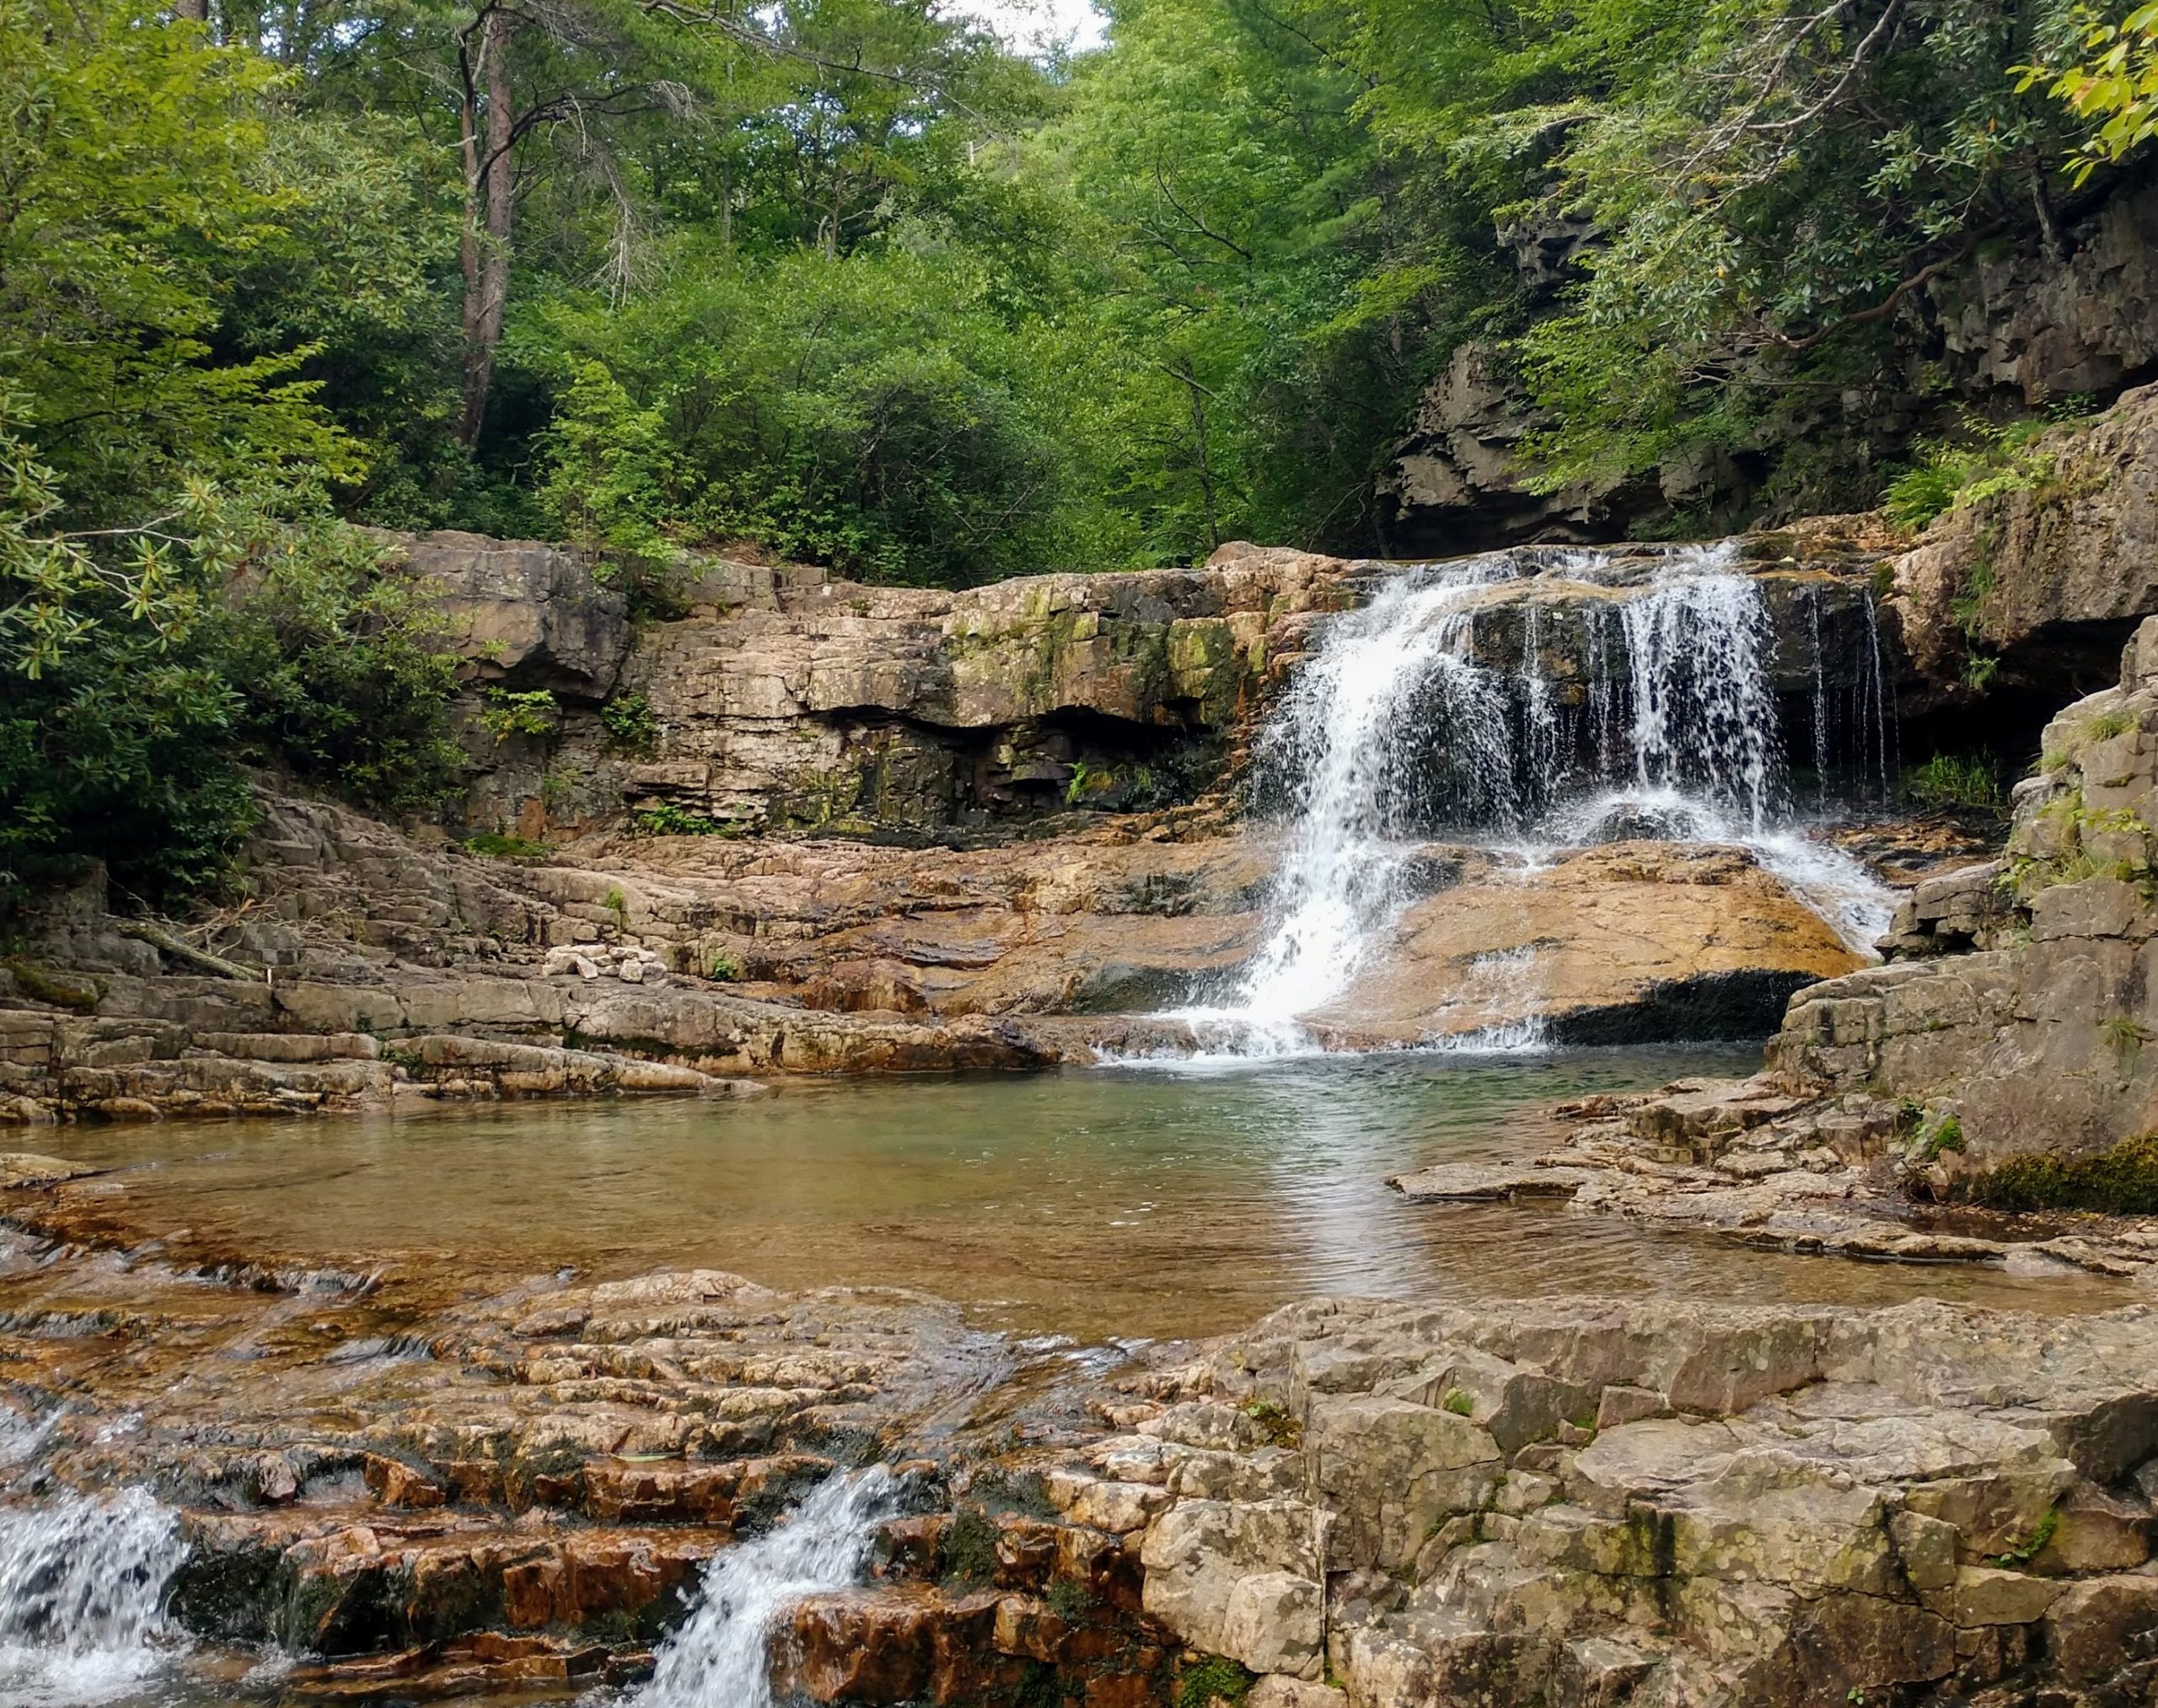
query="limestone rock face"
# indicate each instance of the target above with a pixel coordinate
(2021, 997)
(780, 698)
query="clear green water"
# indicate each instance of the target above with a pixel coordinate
(1101, 1202)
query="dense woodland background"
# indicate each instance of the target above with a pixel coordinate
(851, 281)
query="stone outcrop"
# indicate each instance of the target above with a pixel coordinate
(1390, 1505)
(1748, 1160)
(776, 698)
(2045, 579)
(2019, 1000)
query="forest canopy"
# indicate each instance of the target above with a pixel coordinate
(853, 281)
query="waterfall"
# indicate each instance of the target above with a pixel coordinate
(82, 1596)
(721, 1657)
(1666, 723)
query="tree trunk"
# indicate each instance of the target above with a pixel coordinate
(489, 191)
(191, 11)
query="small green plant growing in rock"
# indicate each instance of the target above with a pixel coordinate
(631, 725)
(668, 819)
(617, 903)
(1941, 1133)
(723, 967)
(1214, 1679)
(1978, 671)
(2122, 1035)
(1458, 1402)
(2024, 1552)
(498, 846)
(507, 712)
(2108, 724)
(1279, 1428)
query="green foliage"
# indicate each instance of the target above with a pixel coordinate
(1952, 781)
(2021, 1553)
(1213, 1678)
(143, 667)
(1987, 460)
(630, 723)
(498, 845)
(1279, 1427)
(668, 819)
(507, 711)
(722, 968)
(2116, 86)
(2122, 1181)
(1459, 1401)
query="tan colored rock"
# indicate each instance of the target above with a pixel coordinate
(1630, 940)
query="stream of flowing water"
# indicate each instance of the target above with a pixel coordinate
(1395, 732)
(82, 1596)
(720, 1657)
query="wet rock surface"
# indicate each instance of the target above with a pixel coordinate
(422, 1481)
(1750, 1161)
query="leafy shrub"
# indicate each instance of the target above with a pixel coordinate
(1211, 1679)
(1989, 459)
(630, 723)
(145, 667)
(507, 712)
(498, 845)
(668, 819)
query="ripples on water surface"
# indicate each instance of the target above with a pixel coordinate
(1133, 1202)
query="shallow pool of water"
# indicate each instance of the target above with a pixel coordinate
(1101, 1202)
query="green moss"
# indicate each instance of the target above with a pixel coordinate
(43, 984)
(970, 1549)
(1213, 1679)
(1072, 1602)
(1281, 1430)
(2122, 1181)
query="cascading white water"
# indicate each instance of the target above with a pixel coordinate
(721, 1656)
(1340, 868)
(1394, 730)
(82, 1596)
(1705, 720)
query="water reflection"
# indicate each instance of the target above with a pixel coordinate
(1096, 1203)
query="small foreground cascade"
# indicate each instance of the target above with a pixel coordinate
(83, 1585)
(721, 1657)
(1532, 702)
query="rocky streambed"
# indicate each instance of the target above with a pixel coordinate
(422, 1480)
